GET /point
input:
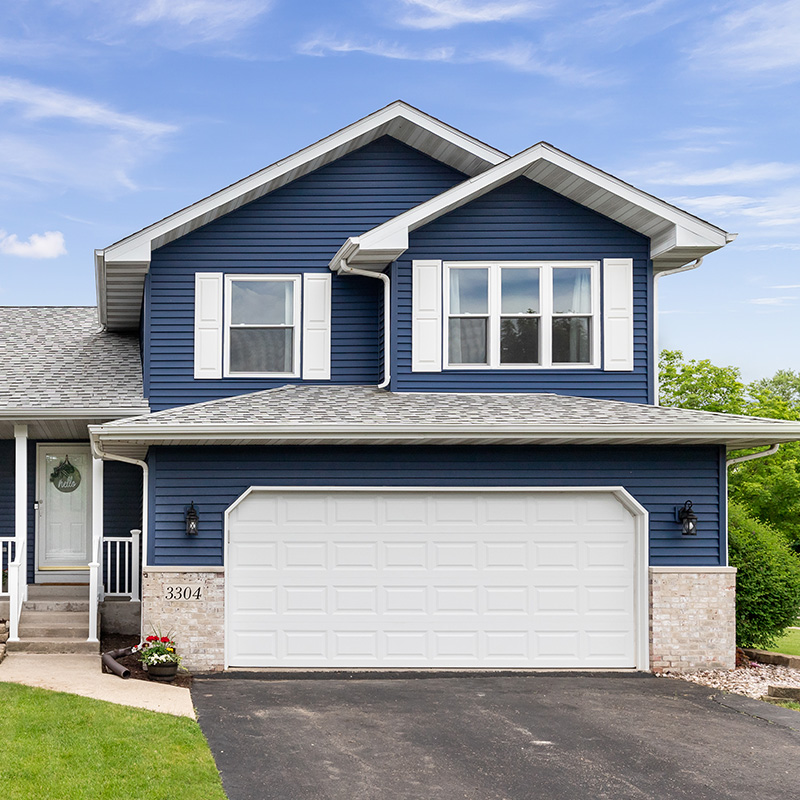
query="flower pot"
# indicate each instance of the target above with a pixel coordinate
(162, 672)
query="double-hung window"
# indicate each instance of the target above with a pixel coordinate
(262, 319)
(522, 314)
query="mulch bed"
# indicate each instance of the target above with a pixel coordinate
(117, 642)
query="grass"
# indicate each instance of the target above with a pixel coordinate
(788, 704)
(62, 746)
(789, 644)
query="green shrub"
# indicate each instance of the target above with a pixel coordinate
(767, 581)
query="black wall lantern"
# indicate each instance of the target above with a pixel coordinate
(192, 520)
(687, 519)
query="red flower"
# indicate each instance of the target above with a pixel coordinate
(165, 639)
(151, 639)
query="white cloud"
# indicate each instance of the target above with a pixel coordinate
(789, 286)
(777, 210)
(520, 57)
(754, 39)
(674, 174)
(438, 14)
(39, 245)
(772, 301)
(41, 102)
(52, 137)
(322, 46)
(205, 20)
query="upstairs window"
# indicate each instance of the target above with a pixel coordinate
(262, 316)
(521, 314)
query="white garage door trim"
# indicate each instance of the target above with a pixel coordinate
(637, 511)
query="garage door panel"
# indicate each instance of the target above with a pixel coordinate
(404, 580)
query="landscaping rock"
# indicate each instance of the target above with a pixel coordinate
(753, 681)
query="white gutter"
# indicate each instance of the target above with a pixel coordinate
(656, 350)
(769, 452)
(387, 318)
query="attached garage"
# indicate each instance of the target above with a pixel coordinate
(424, 578)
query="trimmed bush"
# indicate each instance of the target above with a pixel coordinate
(767, 581)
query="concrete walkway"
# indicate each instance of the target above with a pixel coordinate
(83, 675)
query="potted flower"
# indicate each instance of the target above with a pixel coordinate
(160, 658)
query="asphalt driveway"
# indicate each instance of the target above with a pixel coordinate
(493, 738)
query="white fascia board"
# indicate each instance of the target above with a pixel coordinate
(244, 433)
(679, 229)
(30, 413)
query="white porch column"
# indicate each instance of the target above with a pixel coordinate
(18, 567)
(21, 483)
(97, 544)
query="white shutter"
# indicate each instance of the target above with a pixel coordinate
(208, 325)
(618, 314)
(426, 316)
(317, 326)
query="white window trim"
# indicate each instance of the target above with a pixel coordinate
(296, 325)
(545, 313)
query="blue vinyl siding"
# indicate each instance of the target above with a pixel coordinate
(295, 229)
(660, 478)
(523, 221)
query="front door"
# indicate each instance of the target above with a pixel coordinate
(64, 498)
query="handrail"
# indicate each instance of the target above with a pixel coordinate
(17, 588)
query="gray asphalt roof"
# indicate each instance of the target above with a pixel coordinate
(60, 358)
(305, 410)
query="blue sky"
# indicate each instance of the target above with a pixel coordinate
(114, 113)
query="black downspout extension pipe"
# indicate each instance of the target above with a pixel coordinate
(109, 661)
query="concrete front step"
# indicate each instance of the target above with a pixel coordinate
(58, 591)
(56, 605)
(48, 645)
(61, 629)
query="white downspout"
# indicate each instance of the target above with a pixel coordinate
(387, 320)
(145, 487)
(761, 454)
(656, 349)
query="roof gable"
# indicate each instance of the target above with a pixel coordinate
(122, 266)
(676, 236)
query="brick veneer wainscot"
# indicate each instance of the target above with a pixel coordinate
(692, 618)
(198, 626)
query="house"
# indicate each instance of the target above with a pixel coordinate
(395, 408)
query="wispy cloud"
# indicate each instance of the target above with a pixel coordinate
(50, 136)
(772, 301)
(439, 14)
(323, 45)
(204, 20)
(781, 209)
(756, 39)
(673, 174)
(520, 57)
(40, 102)
(789, 286)
(39, 245)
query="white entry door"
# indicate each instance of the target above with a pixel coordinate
(410, 578)
(64, 497)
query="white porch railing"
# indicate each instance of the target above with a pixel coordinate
(17, 585)
(121, 565)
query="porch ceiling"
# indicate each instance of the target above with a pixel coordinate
(52, 429)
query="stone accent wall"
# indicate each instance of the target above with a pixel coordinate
(692, 618)
(197, 625)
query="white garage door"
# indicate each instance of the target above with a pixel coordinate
(481, 579)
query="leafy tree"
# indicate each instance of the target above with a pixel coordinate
(768, 488)
(700, 385)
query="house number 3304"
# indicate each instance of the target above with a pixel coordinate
(184, 592)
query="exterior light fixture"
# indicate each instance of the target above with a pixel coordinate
(687, 519)
(192, 520)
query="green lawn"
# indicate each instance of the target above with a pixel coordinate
(789, 644)
(62, 746)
